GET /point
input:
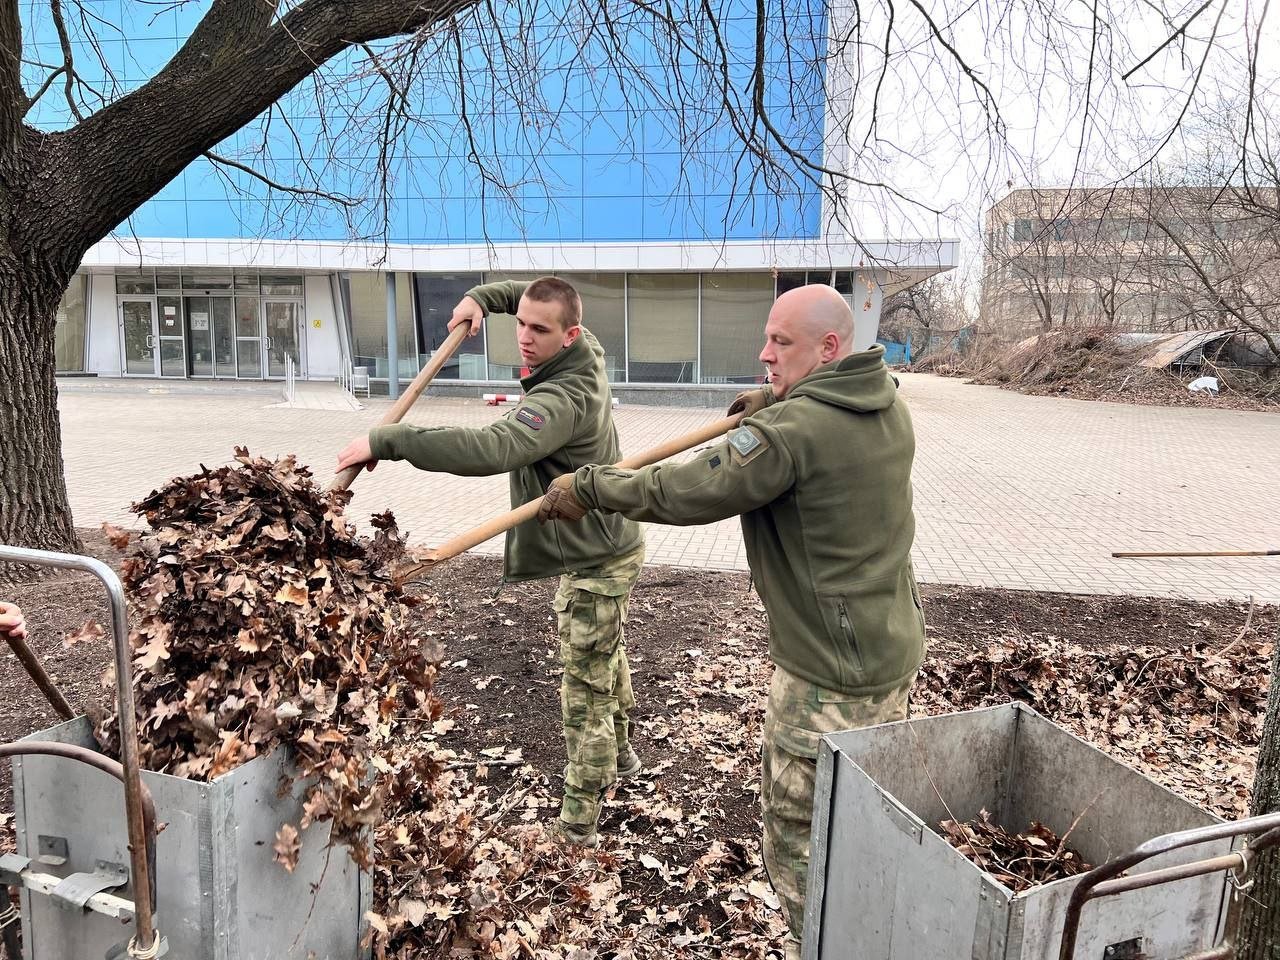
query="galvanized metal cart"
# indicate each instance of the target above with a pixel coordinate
(120, 891)
(222, 897)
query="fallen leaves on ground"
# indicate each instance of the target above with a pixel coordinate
(1188, 717)
(465, 870)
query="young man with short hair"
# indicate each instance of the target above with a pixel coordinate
(564, 422)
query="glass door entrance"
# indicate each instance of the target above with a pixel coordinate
(138, 322)
(280, 320)
(248, 339)
(210, 336)
(173, 342)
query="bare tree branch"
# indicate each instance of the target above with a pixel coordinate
(283, 188)
(68, 62)
(1168, 40)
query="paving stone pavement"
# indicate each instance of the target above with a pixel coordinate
(1011, 491)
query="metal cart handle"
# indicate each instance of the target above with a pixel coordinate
(141, 828)
(1105, 880)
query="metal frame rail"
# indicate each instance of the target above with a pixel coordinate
(140, 814)
(1105, 881)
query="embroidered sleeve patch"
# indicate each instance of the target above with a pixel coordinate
(530, 418)
(745, 445)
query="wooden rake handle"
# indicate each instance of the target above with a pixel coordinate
(345, 478)
(1199, 553)
(526, 512)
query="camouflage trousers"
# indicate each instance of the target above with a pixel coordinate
(595, 692)
(798, 714)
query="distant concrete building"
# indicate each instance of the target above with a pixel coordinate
(1137, 259)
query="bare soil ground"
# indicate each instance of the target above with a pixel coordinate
(696, 640)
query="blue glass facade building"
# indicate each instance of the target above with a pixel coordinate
(633, 183)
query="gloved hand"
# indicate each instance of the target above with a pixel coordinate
(749, 402)
(559, 502)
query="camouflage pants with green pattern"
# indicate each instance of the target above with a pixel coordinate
(798, 714)
(595, 693)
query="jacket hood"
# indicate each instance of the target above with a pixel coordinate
(580, 355)
(859, 382)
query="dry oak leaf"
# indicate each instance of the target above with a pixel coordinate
(153, 651)
(288, 847)
(292, 593)
(118, 537)
(90, 630)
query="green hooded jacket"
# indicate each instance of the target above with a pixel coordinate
(564, 422)
(822, 480)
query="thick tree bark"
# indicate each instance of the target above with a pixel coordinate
(33, 492)
(1259, 932)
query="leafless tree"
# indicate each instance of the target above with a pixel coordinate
(939, 303)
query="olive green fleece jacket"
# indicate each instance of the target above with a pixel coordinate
(564, 421)
(822, 480)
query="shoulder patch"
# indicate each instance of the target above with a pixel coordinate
(746, 444)
(530, 418)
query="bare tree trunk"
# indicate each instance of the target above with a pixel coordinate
(1259, 933)
(34, 511)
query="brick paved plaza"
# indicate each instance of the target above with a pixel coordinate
(1011, 491)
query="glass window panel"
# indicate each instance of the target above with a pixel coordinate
(246, 283)
(135, 281)
(281, 285)
(172, 360)
(406, 334)
(200, 335)
(249, 359)
(367, 307)
(170, 315)
(789, 280)
(247, 324)
(437, 295)
(604, 314)
(500, 334)
(69, 332)
(734, 309)
(224, 335)
(207, 280)
(168, 281)
(662, 313)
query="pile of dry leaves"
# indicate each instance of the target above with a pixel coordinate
(1018, 860)
(261, 618)
(1189, 717)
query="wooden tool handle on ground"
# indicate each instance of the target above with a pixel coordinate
(526, 512)
(36, 670)
(438, 359)
(1200, 553)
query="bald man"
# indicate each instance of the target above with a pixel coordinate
(820, 472)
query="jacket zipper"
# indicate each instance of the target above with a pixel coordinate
(847, 629)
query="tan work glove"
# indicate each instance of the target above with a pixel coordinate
(559, 502)
(749, 402)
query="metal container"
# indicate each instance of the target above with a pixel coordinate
(883, 885)
(221, 896)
